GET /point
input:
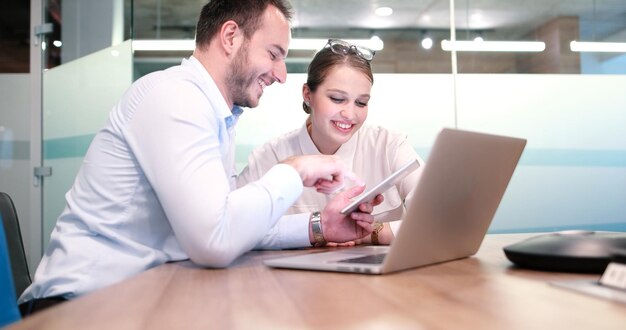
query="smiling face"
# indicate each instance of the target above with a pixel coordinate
(338, 107)
(260, 61)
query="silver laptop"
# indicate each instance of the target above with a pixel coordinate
(448, 216)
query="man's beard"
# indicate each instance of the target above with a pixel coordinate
(238, 80)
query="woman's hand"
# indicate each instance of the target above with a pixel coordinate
(339, 228)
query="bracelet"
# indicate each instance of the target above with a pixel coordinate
(378, 226)
(316, 227)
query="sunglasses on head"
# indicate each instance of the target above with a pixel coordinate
(344, 48)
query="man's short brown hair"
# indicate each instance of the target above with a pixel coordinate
(246, 13)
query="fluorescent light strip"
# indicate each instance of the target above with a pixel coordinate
(164, 45)
(608, 47)
(494, 46)
(375, 43)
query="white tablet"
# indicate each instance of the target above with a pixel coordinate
(380, 188)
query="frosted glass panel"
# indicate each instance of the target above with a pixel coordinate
(572, 173)
(77, 98)
(15, 168)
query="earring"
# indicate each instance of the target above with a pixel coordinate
(307, 103)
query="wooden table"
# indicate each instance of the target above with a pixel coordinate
(481, 292)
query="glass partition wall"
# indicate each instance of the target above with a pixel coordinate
(87, 66)
(543, 70)
(15, 171)
(553, 73)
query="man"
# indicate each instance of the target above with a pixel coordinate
(157, 183)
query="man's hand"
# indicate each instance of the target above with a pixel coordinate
(327, 173)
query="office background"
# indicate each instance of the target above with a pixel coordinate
(570, 105)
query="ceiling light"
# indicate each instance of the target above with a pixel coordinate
(383, 11)
(427, 41)
(609, 47)
(479, 37)
(374, 43)
(493, 46)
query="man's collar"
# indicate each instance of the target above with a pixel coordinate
(232, 119)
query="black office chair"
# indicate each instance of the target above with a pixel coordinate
(19, 266)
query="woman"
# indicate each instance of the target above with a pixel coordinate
(336, 97)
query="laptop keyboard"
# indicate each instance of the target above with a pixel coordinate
(372, 259)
